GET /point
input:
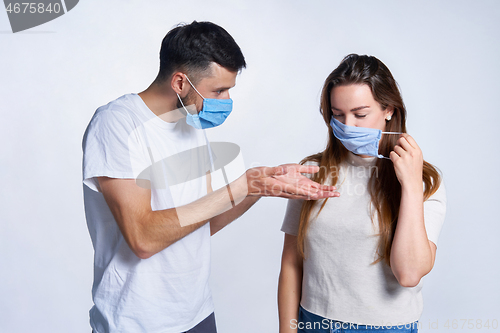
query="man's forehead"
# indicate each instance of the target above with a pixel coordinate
(219, 76)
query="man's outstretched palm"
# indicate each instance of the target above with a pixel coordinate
(287, 181)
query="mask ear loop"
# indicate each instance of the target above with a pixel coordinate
(180, 100)
(194, 90)
(192, 85)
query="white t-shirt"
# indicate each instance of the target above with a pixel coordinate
(339, 282)
(168, 292)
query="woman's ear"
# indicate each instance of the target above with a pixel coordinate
(179, 84)
(389, 111)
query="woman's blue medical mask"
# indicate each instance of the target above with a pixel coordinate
(213, 113)
(359, 140)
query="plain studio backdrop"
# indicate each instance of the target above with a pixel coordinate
(444, 55)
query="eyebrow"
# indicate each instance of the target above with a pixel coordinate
(352, 110)
(223, 88)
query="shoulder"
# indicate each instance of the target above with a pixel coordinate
(311, 162)
(440, 193)
(435, 205)
(111, 122)
(120, 108)
(115, 114)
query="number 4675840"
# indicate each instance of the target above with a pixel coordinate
(33, 7)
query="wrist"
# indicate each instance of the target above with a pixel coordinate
(413, 187)
(239, 188)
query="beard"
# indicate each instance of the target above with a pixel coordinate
(189, 102)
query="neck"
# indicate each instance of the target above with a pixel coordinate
(360, 160)
(162, 102)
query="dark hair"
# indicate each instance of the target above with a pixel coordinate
(192, 47)
(383, 186)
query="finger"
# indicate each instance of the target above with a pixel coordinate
(283, 189)
(321, 190)
(403, 142)
(304, 181)
(323, 194)
(411, 140)
(308, 197)
(319, 187)
(297, 196)
(399, 150)
(294, 196)
(317, 196)
(393, 156)
(279, 189)
(327, 188)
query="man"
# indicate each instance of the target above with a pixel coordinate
(147, 210)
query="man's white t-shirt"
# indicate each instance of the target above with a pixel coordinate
(168, 292)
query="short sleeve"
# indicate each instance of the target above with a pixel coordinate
(108, 147)
(434, 213)
(291, 221)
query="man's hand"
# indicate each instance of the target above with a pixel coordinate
(286, 181)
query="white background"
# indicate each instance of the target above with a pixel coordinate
(444, 54)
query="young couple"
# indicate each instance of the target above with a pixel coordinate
(361, 232)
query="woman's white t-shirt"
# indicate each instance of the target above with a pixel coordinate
(339, 281)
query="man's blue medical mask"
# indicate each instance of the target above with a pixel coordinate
(359, 140)
(213, 113)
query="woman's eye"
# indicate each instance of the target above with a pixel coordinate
(360, 115)
(338, 115)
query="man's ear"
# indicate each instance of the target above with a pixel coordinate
(179, 84)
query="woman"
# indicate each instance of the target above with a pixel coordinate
(355, 262)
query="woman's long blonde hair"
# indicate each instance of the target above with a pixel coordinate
(383, 186)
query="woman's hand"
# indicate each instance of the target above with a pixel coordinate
(408, 162)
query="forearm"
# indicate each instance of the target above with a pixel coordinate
(289, 294)
(148, 232)
(162, 228)
(220, 221)
(411, 256)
